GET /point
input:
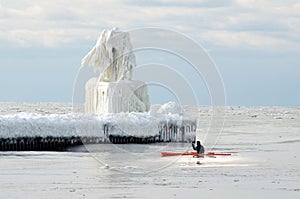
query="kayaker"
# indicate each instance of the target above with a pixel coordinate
(199, 148)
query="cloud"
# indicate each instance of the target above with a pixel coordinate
(180, 3)
(236, 23)
(29, 12)
(249, 40)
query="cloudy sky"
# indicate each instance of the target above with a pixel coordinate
(254, 43)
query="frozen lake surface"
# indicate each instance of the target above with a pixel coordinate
(265, 142)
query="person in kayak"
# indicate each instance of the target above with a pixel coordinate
(199, 148)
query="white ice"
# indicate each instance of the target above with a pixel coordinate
(114, 91)
(112, 55)
(70, 124)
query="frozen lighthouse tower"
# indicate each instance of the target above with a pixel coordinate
(114, 90)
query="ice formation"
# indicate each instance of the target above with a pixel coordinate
(170, 108)
(112, 55)
(114, 91)
(115, 97)
(69, 125)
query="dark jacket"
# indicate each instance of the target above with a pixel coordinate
(199, 148)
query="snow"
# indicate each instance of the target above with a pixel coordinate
(25, 124)
(67, 125)
(170, 108)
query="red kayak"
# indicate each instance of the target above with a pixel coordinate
(164, 154)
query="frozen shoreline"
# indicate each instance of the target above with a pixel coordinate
(270, 174)
(264, 139)
(45, 108)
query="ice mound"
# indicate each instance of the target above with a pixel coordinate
(170, 108)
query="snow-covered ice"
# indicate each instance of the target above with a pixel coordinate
(68, 125)
(26, 124)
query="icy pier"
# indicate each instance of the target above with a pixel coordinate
(38, 143)
(21, 132)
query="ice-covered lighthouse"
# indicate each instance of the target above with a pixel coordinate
(114, 90)
(119, 106)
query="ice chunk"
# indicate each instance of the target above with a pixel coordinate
(170, 108)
